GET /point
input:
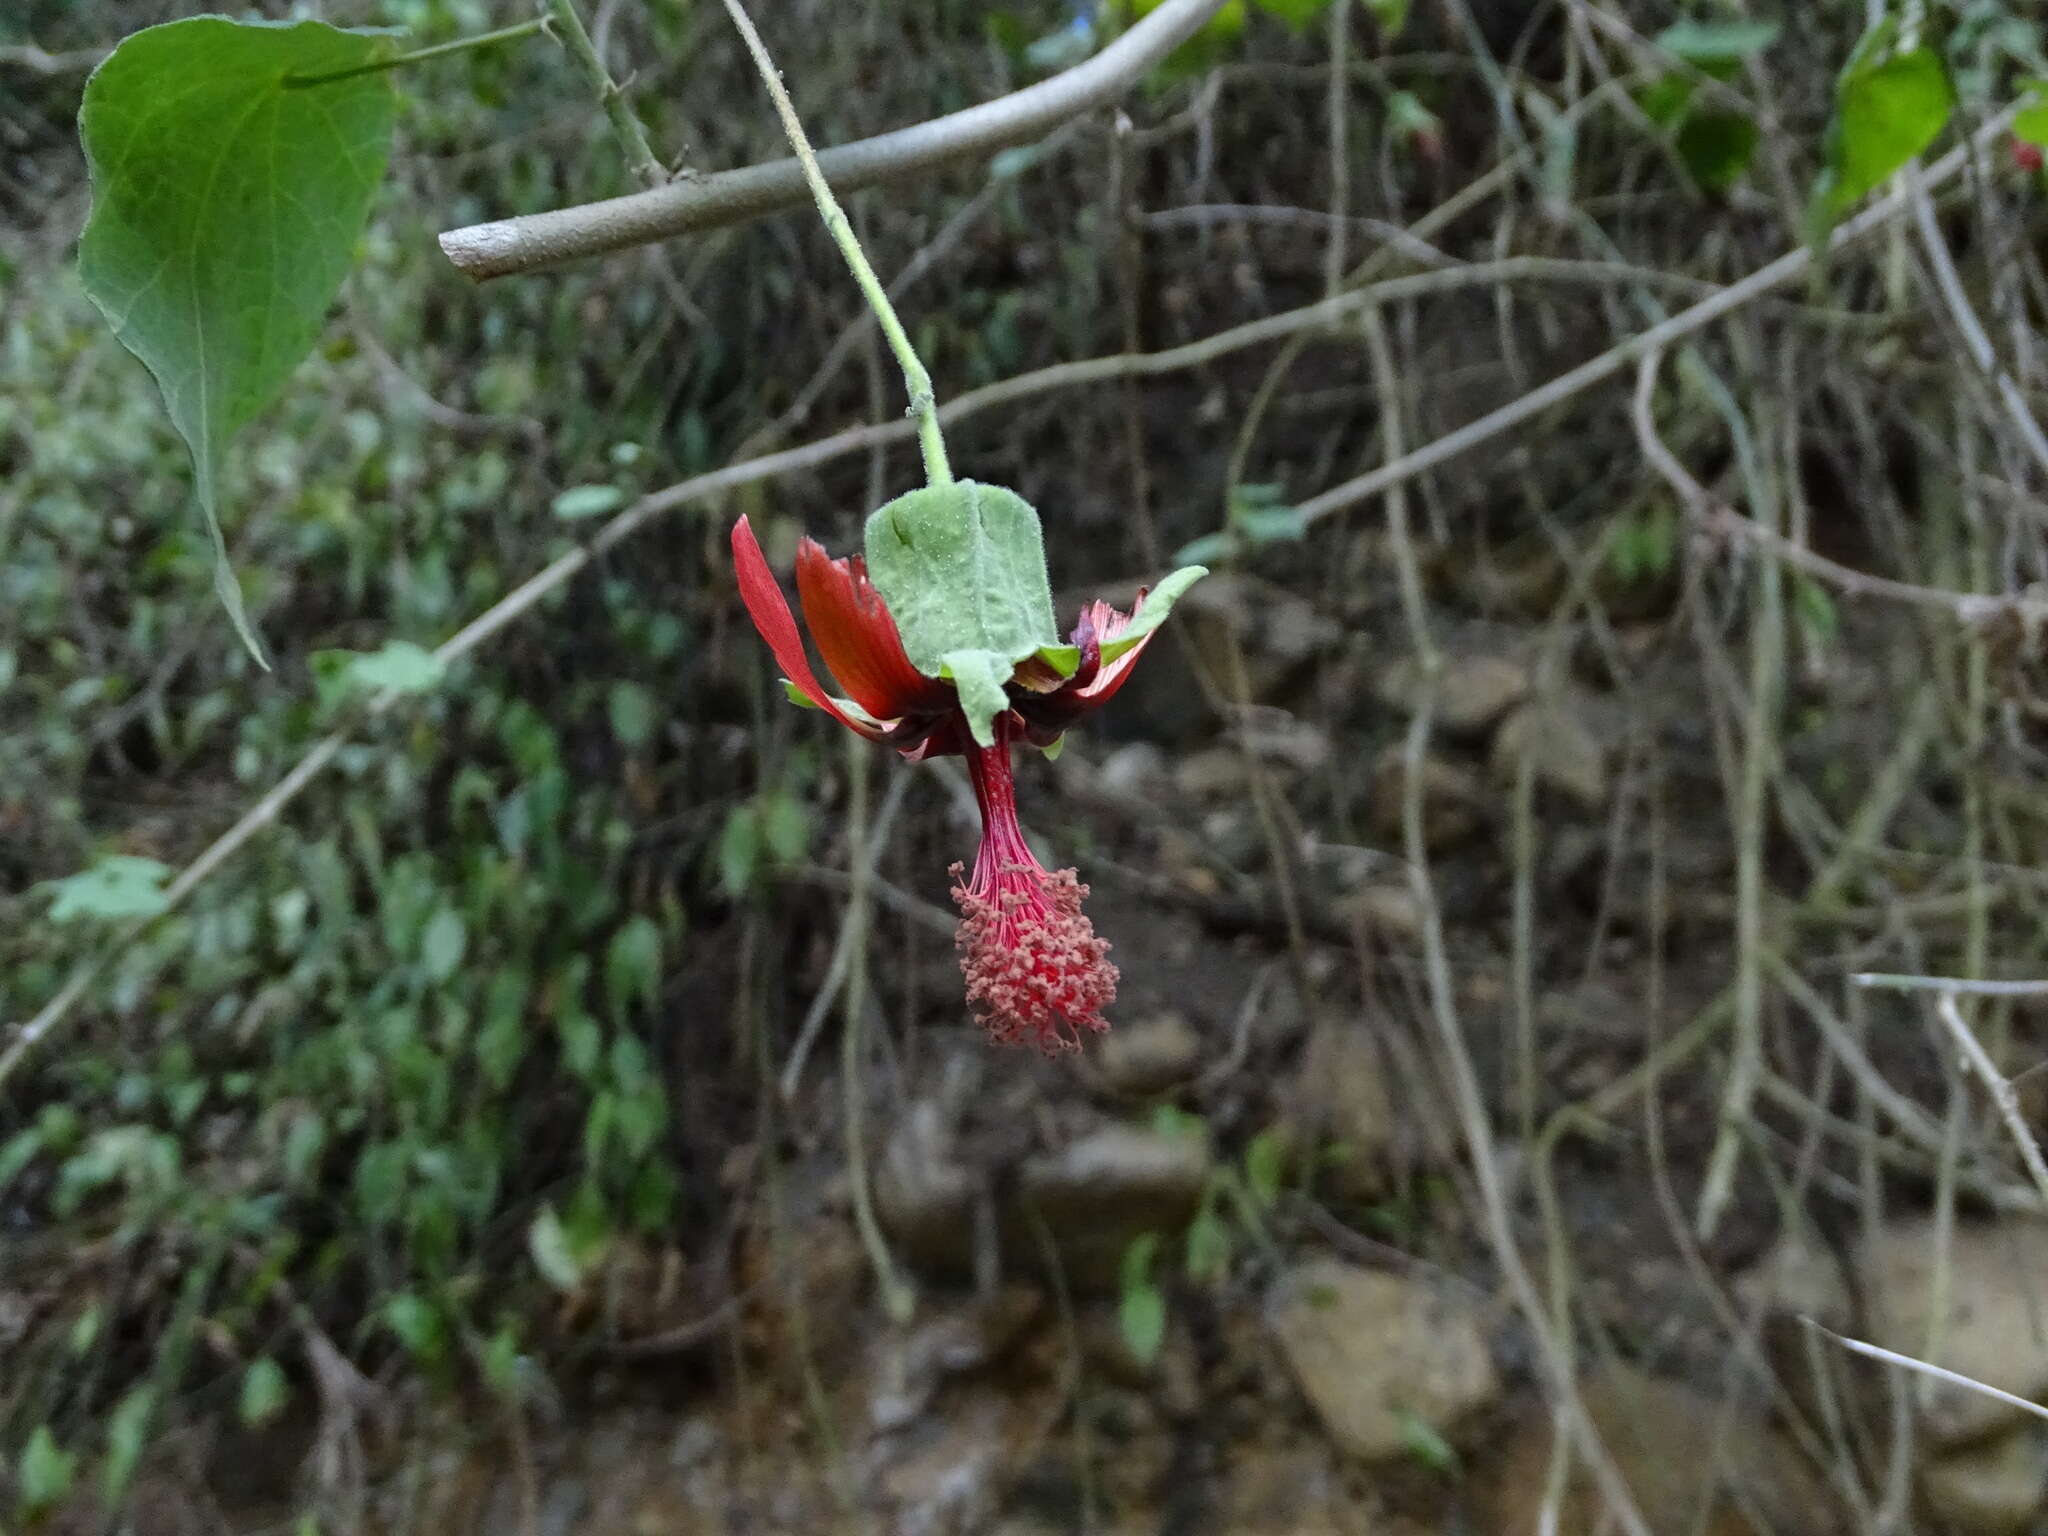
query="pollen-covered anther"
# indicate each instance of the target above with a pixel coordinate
(1036, 973)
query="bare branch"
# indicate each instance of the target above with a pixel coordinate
(1565, 386)
(540, 240)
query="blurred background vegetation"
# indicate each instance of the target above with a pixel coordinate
(457, 1156)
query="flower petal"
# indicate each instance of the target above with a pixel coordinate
(854, 632)
(769, 610)
(1100, 624)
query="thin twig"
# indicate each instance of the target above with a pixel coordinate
(541, 240)
(1950, 284)
(1763, 281)
(566, 27)
(1715, 516)
(1885, 981)
(1995, 1084)
(1927, 1368)
(923, 404)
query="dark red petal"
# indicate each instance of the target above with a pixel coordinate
(854, 632)
(769, 610)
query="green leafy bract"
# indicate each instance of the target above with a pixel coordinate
(1152, 612)
(226, 208)
(962, 568)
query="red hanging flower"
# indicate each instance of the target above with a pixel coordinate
(1035, 971)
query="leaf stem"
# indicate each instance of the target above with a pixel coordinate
(421, 55)
(566, 27)
(924, 405)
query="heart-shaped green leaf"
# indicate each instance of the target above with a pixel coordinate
(227, 201)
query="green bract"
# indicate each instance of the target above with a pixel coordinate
(225, 212)
(962, 568)
(1151, 614)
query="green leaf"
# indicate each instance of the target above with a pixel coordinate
(1716, 147)
(398, 665)
(632, 965)
(45, 1472)
(1425, 1444)
(1152, 612)
(127, 1437)
(443, 944)
(1263, 1161)
(1208, 1245)
(739, 849)
(1887, 110)
(553, 1254)
(1296, 13)
(1137, 1260)
(1816, 610)
(1717, 42)
(2031, 125)
(120, 885)
(264, 1391)
(962, 568)
(415, 1323)
(1142, 1316)
(225, 212)
(1392, 16)
(631, 708)
(581, 501)
(1207, 47)
(786, 825)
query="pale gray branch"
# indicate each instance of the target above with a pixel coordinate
(536, 241)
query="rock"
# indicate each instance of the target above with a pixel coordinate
(1371, 1351)
(1278, 635)
(1995, 1331)
(1211, 774)
(1691, 1463)
(923, 1195)
(1341, 1101)
(1994, 1488)
(1472, 692)
(1172, 1375)
(1388, 908)
(1568, 758)
(1295, 1488)
(1454, 800)
(947, 1473)
(1149, 1055)
(1096, 1194)
(1135, 768)
(948, 1340)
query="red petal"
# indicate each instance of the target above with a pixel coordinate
(769, 610)
(851, 625)
(1107, 623)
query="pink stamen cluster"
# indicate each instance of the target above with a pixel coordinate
(1035, 971)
